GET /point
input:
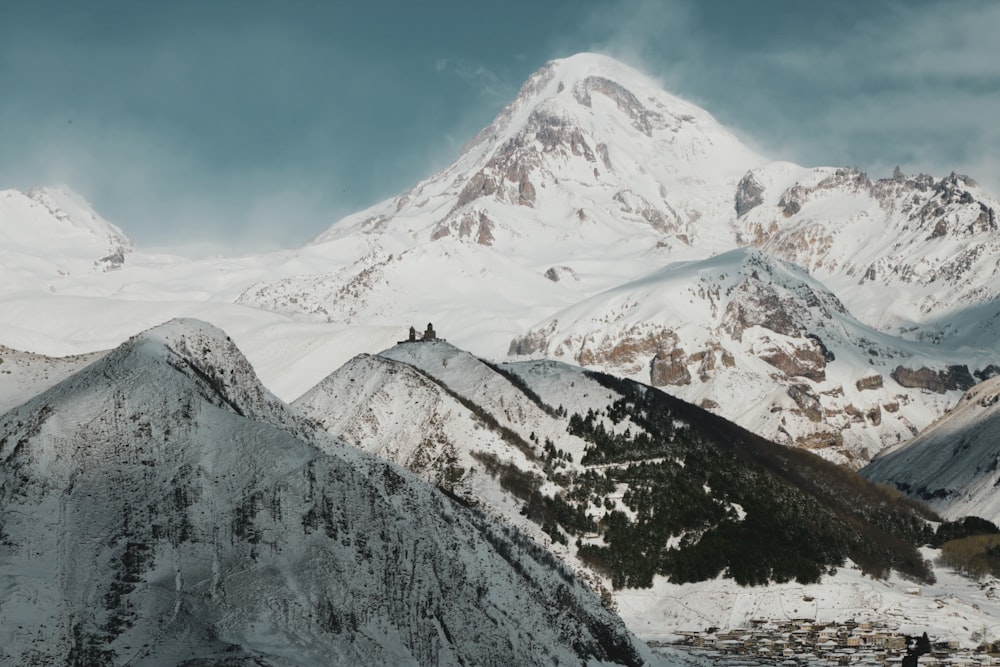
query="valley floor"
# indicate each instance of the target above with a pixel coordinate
(955, 609)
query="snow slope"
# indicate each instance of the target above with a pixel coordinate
(429, 406)
(60, 222)
(955, 608)
(952, 465)
(160, 506)
(23, 375)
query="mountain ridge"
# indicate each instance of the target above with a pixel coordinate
(951, 465)
(161, 506)
(543, 428)
(594, 179)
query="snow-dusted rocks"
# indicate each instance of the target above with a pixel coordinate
(908, 255)
(758, 341)
(161, 506)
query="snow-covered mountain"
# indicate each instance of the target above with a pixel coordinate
(497, 436)
(54, 231)
(591, 176)
(589, 149)
(161, 507)
(952, 466)
(563, 213)
(764, 344)
(598, 220)
(908, 255)
(566, 226)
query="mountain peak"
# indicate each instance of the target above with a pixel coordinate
(560, 76)
(587, 140)
(63, 227)
(218, 368)
(565, 89)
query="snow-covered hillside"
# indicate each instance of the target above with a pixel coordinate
(24, 375)
(481, 431)
(53, 231)
(954, 608)
(908, 255)
(762, 343)
(952, 466)
(160, 506)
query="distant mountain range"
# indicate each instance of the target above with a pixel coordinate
(594, 220)
(600, 233)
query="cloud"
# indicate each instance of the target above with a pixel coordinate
(918, 85)
(862, 84)
(477, 76)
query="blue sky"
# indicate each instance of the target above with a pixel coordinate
(251, 125)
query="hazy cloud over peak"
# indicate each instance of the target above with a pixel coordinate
(256, 124)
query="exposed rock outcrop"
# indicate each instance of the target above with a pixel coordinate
(749, 194)
(956, 377)
(559, 273)
(797, 361)
(533, 341)
(990, 371)
(637, 344)
(669, 368)
(870, 382)
(807, 401)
